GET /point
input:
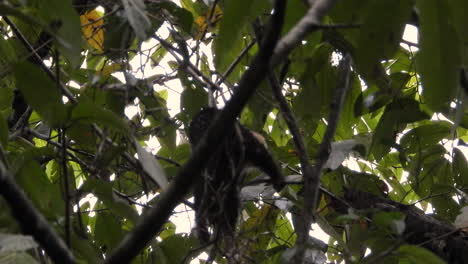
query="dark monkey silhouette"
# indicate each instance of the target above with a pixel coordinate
(217, 192)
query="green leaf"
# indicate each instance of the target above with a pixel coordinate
(393, 222)
(8, 51)
(158, 55)
(392, 122)
(155, 108)
(44, 194)
(118, 35)
(168, 230)
(86, 250)
(425, 135)
(416, 255)
(382, 27)
(88, 112)
(347, 117)
(460, 167)
(459, 10)
(108, 231)
(278, 132)
(180, 17)
(119, 206)
(307, 104)
(438, 60)
(3, 131)
(192, 101)
(65, 22)
(229, 41)
(260, 105)
(175, 248)
(41, 93)
(295, 11)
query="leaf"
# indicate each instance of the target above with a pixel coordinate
(118, 35)
(296, 10)
(278, 132)
(425, 135)
(260, 224)
(151, 166)
(393, 121)
(84, 250)
(41, 93)
(382, 27)
(260, 105)
(44, 194)
(460, 167)
(103, 190)
(229, 42)
(3, 131)
(158, 55)
(181, 17)
(108, 231)
(340, 151)
(65, 22)
(390, 221)
(92, 25)
(438, 60)
(135, 11)
(307, 104)
(156, 111)
(459, 9)
(88, 112)
(191, 101)
(175, 248)
(416, 255)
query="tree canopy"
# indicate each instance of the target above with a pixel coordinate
(368, 128)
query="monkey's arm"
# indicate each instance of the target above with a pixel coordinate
(258, 155)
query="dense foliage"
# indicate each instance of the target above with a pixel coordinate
(79, 178)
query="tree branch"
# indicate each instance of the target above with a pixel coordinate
(312, 184)
(31, 220)
(300, 225)
(309, 23)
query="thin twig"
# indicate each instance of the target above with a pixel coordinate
(235, 62)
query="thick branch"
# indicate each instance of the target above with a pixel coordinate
(31, 220)
(309, 23)
(155, 218)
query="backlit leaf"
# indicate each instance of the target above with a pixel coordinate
(92, 28)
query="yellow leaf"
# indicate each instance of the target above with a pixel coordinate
(201, 21)
(92, 27)
(109, 69)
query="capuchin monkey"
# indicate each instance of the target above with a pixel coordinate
(217, 192)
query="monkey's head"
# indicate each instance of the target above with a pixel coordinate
(200, 123)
